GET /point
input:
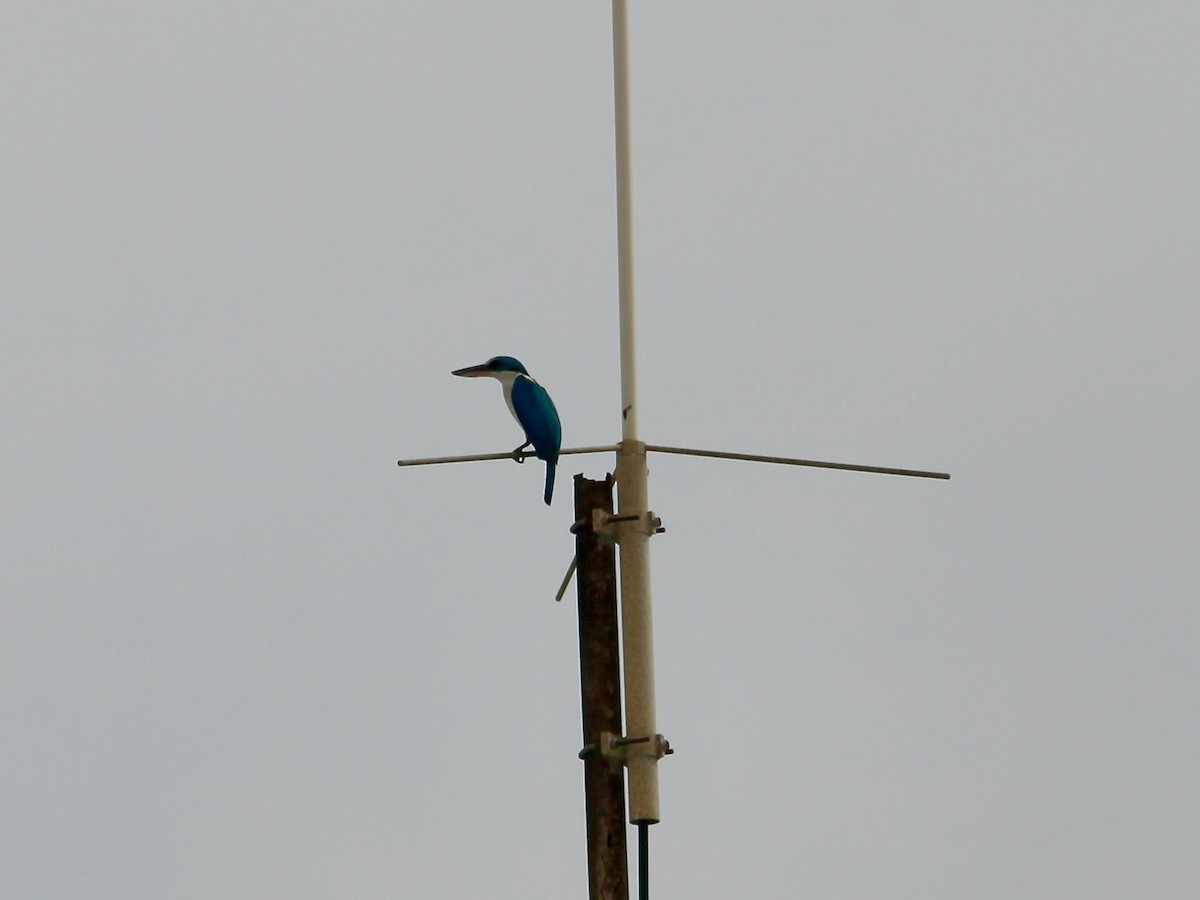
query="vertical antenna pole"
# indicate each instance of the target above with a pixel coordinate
(638, 646)
(629, 410)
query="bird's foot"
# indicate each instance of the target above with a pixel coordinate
(517, 454)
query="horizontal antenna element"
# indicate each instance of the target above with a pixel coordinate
(683, 451)
(790, 461)
(481, 457)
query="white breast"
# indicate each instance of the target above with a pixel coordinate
(507, 379)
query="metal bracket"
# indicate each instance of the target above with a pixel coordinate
(562, 588)
(613, 526)
(618, 750)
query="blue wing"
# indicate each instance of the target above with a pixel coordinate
(537, 415)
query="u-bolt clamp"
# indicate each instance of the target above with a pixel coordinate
(619, 750)
(613, 526)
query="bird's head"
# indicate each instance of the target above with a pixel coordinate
(493, 368)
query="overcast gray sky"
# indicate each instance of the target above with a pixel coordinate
(243, 655)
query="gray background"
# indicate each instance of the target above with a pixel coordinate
(243, 655)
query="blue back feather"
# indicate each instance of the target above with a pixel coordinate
(537, 415)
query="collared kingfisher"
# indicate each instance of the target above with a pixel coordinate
(530, 405)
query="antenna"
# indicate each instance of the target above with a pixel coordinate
(637, 522)
(641, 746)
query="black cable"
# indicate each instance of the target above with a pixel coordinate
(643, 860)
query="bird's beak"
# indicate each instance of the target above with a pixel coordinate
(471, 371)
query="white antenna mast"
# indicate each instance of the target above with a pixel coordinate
(645, 746)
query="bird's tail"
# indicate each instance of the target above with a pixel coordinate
(551, 465)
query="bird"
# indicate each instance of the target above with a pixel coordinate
(530, 405)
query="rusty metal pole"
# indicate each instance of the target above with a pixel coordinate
(600, 690)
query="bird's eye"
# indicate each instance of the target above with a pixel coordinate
(493, 363)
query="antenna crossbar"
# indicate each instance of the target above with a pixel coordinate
(683, 451)
(791, 461)
(482, 457)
